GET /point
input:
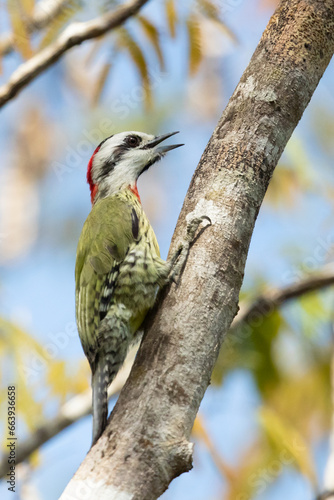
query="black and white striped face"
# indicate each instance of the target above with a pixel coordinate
(119, 160)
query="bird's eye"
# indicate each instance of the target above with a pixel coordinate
(133, 140)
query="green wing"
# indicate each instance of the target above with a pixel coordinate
(105, 237)
(110, 228)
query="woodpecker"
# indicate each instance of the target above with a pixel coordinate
(118, 267)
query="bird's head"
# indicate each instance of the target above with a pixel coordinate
(119, 160)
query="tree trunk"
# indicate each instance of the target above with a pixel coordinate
(146, 442)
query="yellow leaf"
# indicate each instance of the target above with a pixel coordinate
(171, 17)
(27, 407)
(208, 8)
(304, 399)
(313, 305)
(59, 22)
(211, 11)
(35, 459)
(323, 127)
(93, 49)
(253, 473)
(194, 38)
(153, 35)
(293, 176)
(57, 379)
(63, 382)
(284, 187)
(301, 162)
(28, 6)
(288, 442)
(21, 36)
(126, 42)
(80, 382)
(199, 432)
(14, 338)
(100, 83)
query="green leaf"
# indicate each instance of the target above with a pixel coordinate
(313, 305)
(250, 346)
(314, 313)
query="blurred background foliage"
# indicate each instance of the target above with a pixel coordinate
(263, 428)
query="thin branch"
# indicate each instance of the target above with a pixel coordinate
(272, 299)
(73, 35)
(326, 495)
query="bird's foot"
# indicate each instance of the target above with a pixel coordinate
(179, 258)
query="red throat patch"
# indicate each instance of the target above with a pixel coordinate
(93, 187)
(134, 190)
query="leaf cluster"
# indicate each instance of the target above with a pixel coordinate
(137, 39)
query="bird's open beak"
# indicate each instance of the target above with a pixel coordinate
(160, 138)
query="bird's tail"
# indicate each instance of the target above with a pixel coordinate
(100, 383)
(113, 334)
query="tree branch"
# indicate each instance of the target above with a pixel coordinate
(80, 406)
(326, 495)
(272, 299)
(146, 442)
(73, 35)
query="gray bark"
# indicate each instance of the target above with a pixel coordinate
(146, 443)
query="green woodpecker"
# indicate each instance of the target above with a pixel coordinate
(118, 268)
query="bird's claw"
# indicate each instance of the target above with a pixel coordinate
(194, 224)
(179, 258)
